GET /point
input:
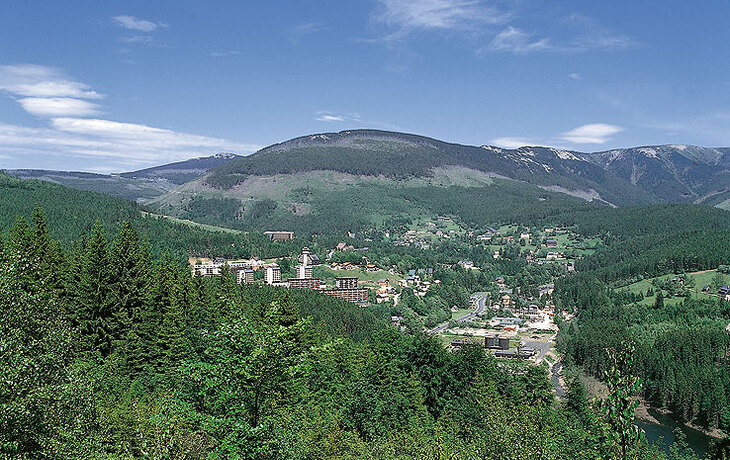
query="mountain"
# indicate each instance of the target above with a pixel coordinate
(672, 173)
(182, 171)
(71, 213)
(141, 186)
(365, 178)
(401, 156)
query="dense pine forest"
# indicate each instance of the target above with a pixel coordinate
(112, 352)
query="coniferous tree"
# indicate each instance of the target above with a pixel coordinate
(90, 292)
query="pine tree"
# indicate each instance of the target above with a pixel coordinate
(90, 292)
(130, 274)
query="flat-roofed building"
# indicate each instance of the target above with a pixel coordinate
(273, 275)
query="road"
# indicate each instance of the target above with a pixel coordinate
(481, 306)
(540, 347)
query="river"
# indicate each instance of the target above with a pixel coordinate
(697, 440)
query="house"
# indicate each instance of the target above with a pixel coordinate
(466, 264)
(371, 268)
(546, 289)
(384, 282)
(724, 293)
(443, 218)
(551, 243)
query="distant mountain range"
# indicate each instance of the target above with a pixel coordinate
(640, 175)
(361, 178)
(142, 185)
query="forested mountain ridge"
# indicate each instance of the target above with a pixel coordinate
(72, 213)
(639, 175)
(400, 156)
(141, 185)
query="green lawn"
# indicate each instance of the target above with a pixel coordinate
(190, 223)
(461, 312)
(700, 279)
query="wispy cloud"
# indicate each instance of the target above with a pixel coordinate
(583, 32)
(49, 93)
(407, 16)
(517, 41)
(31, 80)
(133, 23)
(511, 142)
(58, 107)
(331, 117)
(593, 133)
(576, 76)
(119, 145)
(136, 39)
(219, 54)
(298, 33)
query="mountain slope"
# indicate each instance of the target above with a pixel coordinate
(71, 212)
(673, 173)
(182, 171)
(141, 186)
(399, 156)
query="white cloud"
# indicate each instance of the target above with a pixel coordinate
(330, 118)
(132, 23)
(460, 15)
(511, 142)
(517, 41)
(136, 39)
(31, 80)
(296, 34)
(576, 76)
(335, 118)
(58, 107)
(46, 92)
(218, 54)
(593, 133)
(123, 145)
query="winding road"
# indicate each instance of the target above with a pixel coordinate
(481, 306)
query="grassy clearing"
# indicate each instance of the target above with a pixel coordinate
(211, 228)
(700, 279)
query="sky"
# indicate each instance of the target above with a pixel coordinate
(111, 86)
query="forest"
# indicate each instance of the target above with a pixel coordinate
(111, 351)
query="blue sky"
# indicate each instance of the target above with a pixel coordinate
(113, 86)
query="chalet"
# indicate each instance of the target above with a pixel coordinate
(384, 282)
(724, 293)
(466, 264)
(443, 218)
(371, 268)
(546, 289)
(550, 243)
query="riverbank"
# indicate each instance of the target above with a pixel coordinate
(644, 413)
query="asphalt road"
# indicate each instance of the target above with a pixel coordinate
(541, 348)
(481, 306)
